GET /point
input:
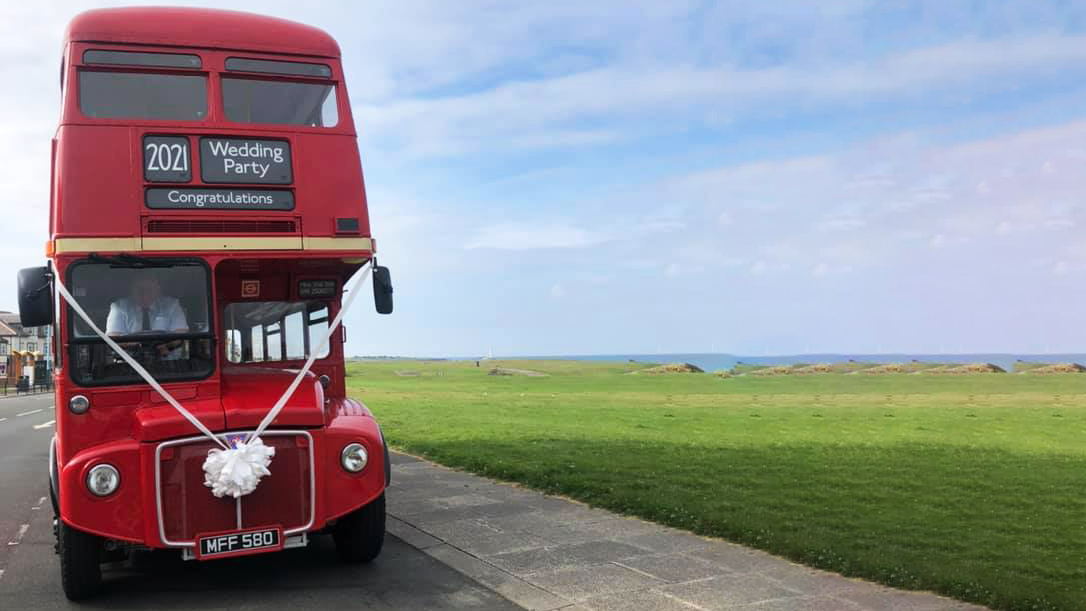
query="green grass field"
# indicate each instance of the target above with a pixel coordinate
(973, 486)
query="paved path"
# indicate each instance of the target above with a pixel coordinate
(549, 553)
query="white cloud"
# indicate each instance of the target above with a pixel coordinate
(821, 215)
(558, 291)
(527, 235)
(540, 112)
(514, 236)
(841, 224)
(1059, 224)
(759, 268)
(821, 270)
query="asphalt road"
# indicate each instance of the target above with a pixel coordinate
(401, 578)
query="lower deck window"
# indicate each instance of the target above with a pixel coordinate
(270, 331)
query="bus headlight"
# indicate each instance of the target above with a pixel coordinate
(354, 457)
(78, 404)
(103, 479)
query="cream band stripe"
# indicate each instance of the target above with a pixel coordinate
(151, 244)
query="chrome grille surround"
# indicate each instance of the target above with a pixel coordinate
(223, 436)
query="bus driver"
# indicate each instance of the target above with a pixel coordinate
(147, 310)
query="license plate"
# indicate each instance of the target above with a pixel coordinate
(239, 542)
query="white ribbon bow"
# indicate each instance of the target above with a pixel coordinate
(233, 471)
(237, 471)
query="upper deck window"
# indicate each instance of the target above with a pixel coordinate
(135, 58)
(279, 102)
(241, 64)
(139, 95)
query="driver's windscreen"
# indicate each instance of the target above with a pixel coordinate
(159, 315)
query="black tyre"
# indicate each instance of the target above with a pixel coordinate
(359, 536)
(80, 558)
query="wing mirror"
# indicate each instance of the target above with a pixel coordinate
(382, 290)
(36, 296)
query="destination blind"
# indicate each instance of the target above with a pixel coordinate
(245, 161)
(219, 199)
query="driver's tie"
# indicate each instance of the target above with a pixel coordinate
(146, 319)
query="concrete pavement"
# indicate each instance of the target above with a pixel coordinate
(547, 553)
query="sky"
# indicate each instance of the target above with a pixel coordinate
(667, 177)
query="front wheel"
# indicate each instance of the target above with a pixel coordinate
(80, 558)
(360, 535)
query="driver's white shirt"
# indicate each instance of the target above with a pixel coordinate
(126, 316)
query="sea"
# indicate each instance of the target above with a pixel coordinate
(717, 362)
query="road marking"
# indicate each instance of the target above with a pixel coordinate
(41, 502)
(44, 424)
(2, 419)
(33, 411)
(19, 535)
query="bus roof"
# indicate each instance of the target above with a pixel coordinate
(200, 28)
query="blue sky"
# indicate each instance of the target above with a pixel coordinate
(609, 177)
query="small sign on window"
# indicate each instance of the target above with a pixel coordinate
(250, 288)
(309, 289)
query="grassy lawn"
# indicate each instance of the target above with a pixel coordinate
(973, 486)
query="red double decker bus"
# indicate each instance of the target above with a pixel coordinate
(207, 212)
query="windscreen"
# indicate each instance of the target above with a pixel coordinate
(158, 314)
(138, 95)
(279, 102)
(269, 331)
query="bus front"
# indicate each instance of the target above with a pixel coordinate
(207, 212)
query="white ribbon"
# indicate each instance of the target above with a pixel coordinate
(133, 364)
(236, 471)
(233, 471)
(278, 407)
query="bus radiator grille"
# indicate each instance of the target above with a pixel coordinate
(283, 498)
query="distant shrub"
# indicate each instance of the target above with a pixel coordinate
(777, 370)
(1056, 368)
(969, 368)
(673, 368)
(509, 371)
